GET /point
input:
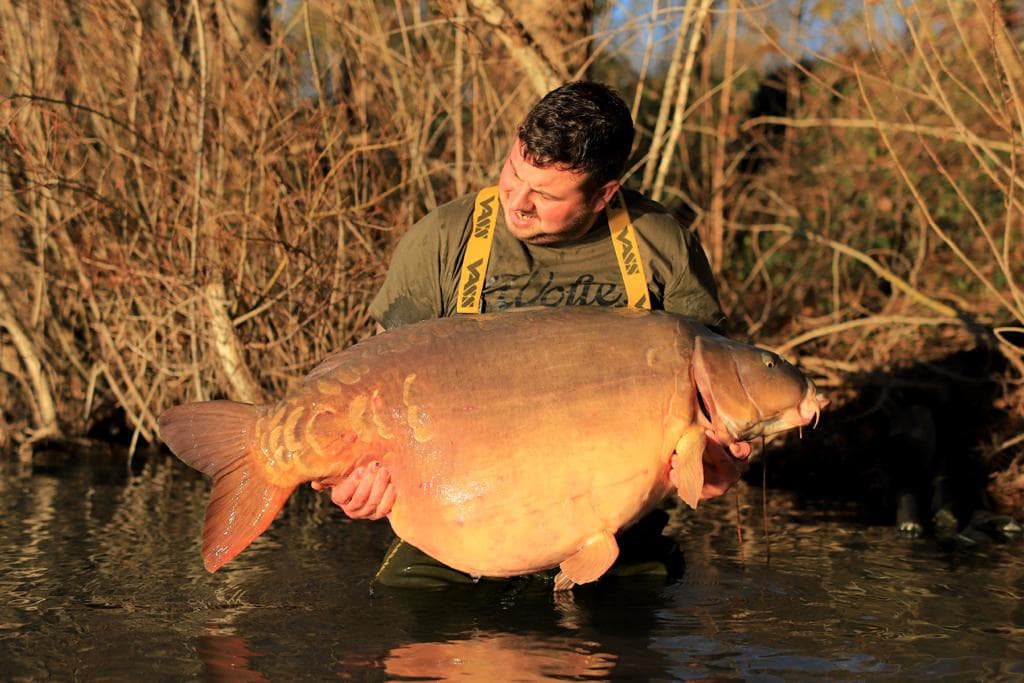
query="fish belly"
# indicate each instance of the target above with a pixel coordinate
(527, 436)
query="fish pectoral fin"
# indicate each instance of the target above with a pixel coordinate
(687, 472)
(589, 562)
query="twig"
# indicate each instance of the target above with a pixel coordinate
(928, 214)
(458, 77)
(42, 398)
(1005, 445)
(870, 321)
(197, 179)
(638, 94)
(716, 213)
(227, 346)
(667, 98)
(947, 133)
(877, 268)
(667, 155)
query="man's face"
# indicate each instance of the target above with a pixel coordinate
(548, 205)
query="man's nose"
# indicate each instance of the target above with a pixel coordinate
(519, 199)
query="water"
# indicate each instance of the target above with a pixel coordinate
(101, 579)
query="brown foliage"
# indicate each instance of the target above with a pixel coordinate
(190, 214)
(151, 170)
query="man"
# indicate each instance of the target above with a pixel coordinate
(566, 234)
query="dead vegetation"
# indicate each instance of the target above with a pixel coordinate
(189, 212)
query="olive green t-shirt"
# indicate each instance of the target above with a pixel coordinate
(422, 281)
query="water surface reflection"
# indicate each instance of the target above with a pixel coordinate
(101, 578)
(494, 656)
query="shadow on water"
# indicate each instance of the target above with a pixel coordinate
(102, 579)
(907, 450)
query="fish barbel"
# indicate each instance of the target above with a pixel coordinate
(516, 441)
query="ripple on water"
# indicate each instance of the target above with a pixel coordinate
(838, 599)
(102, 578)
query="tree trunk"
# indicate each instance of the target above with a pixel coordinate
(549, 43)
(521, 45)
(561, 31)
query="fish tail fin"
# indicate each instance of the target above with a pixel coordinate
(216, 438)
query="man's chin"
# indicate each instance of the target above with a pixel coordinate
(533, 236)
(527, 233)
(542, 240)
(537, 238)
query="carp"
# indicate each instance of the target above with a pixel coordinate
(516, 441)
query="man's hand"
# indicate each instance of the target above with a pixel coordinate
(367, 493)
(721, 470)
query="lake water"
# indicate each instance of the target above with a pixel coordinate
(101, 579)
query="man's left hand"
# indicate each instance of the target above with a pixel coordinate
(721, 470)
(366, 493)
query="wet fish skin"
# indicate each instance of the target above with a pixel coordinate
(516, 441)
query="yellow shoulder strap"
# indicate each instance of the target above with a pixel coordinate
(478, 251)
(624, 242)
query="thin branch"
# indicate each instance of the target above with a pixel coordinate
(42, 397)
(197, 179)
(869, 321)
(667, 98)
(947, 133)
(923, 206)
(668, 152)
(877, 268)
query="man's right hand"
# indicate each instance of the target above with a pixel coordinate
(367, 493)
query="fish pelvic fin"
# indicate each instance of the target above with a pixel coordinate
(597, 554)
(216, 438)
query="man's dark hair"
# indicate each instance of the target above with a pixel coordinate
(581, 126)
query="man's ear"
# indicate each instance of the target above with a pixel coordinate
(603, 195)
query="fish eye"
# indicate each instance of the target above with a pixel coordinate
(768, 360)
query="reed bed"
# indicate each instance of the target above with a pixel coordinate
(193, 209)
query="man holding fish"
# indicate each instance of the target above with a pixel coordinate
(557, 230)
(508, 443)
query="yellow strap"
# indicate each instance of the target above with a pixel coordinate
(478, 251)
(630, 264)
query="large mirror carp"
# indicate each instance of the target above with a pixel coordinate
(516, 441)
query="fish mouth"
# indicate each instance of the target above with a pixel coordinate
(743, 394)
(806, 412)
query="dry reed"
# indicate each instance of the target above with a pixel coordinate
(188, 214)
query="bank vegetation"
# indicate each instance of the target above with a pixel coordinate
(198, 200)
